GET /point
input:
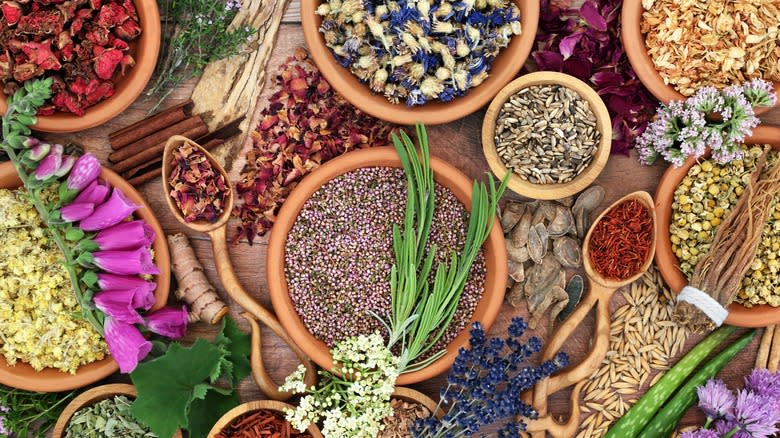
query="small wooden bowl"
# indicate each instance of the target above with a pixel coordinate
(636, 50)
(412, 396)
(90, 397)
(505, 67)
(548, 191)
(446, 175)
(22, 375)
(739, 315)
(249, 407)
(143, 49)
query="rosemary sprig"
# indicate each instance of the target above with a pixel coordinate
(22, 107)
(421, 311)
(195, 33)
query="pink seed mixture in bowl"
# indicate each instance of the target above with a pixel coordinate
(339, 253)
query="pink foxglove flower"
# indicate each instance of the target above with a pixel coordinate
(133, 262)
(95, 193)
(49, 165)
(137, 297)
(76, 212)
(111, 212)
(170, 322)
(112, 282)
(85, 171)
(125, 343)
(39, 151)
(125, 236)
(67, 164)
(117, 306)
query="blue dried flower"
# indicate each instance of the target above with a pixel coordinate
(486, 382)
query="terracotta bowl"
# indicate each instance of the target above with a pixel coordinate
(444, 174)
(548, 191)
(636, 50)
(249, 407)
(739, 315)
(22, 375)
(143, 49)
(505, 67)
(90, 397)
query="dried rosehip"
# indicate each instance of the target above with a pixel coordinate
(12, 11)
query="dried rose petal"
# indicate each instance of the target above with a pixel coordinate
(305, 124)
(199, 190)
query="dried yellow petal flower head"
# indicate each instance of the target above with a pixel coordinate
(37, 303)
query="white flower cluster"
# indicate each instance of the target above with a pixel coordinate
(353, 404)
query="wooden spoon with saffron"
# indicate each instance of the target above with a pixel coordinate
(255, 312)
(601, 290)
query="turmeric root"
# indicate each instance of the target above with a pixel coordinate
(194, 288)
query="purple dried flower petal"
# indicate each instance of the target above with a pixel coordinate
(589, 11)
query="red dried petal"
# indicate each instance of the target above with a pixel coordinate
(41, 55)
(107, 62)
(111, 14)
(12, 11)
(128, 30)
(43, 22)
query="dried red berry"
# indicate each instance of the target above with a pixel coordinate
(12, 11)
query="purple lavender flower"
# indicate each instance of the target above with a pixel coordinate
(716, 400)
(700, 433)
(756, 415)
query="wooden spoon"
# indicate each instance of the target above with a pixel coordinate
(217, 232)
(599, 296)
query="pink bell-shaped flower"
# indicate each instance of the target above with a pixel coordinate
(170, 322)
(95, 193)
(125, 236)
(50, 164)
(111, 212)
(125, 343)
(117, 306)
(108, 281)
(137, 297)
(84, 172)
(138, 261)
(76, 212)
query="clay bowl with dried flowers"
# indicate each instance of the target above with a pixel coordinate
(144, 50)
(504, 68)
(243, 410)
(636, 50)
(502, 115)
(453, 183)
(89, 398)
(22, 375)
(668, 263)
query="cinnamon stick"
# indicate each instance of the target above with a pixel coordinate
(192, 124)
(149, 175)
(150, 125)
(141, 168)
(147, 153)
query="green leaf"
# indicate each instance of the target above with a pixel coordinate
(88, 245)
(239, 347)
(204, 413)
(168, 385)
(89, 278)
(85, 259)
(73, 234)
(15, 140)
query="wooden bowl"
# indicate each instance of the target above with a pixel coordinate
(636, 50)
(22, 375)
(143, 49)
(412, 396)
(249, 407)
(548, 191)
(90, 397)
(446, 175)
(665, 259)
(505, 66)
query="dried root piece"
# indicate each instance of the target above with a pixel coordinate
(194, 288)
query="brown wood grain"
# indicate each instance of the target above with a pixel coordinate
(457, 142)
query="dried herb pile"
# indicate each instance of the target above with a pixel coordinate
(199, 189)
(585, 43)
(305, 124)
(261, 423)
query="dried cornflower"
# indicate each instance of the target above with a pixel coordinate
(305, 124)
(418, 51)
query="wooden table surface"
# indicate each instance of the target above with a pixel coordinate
(457, 142)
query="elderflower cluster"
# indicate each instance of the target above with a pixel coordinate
(354, 403)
